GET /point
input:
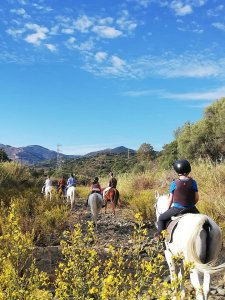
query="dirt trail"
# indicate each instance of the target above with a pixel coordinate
(116, 230)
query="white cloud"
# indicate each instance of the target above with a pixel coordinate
(180, 8)
(100, 56)
(23, 2)
(54, 30)
(168, 66)
(15, 32)
(117, 62)
(20, 12)
(104, 21)
(219, 26)
(124, 23)
(68, 30)
(172, 66)
(107, 32)
(43, 8)
(215, 12)
(113, 67)
(51, 47)
(210, 95)
(71, 40)
(40, 34)
(83, 23)
(175, 68)
(144, 3)
(86, 46)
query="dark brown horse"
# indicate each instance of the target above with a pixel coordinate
(61, 192)
(112, 196)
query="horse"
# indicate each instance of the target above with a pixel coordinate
(48, 192)
(112, 196)
(61, 192)
(95, 203)
(199, 239)
(70, 195)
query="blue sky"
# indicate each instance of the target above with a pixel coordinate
(96, 74)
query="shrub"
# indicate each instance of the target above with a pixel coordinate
(19, 278)
(124, 273)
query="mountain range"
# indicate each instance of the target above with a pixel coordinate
(35, 154)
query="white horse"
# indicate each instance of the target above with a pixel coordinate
(70, 195)
(95, 202)
(48, 192)
(199, 239)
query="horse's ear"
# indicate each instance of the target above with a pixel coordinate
(156, 195)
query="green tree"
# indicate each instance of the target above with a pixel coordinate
(3, 156)
(168, 155)
(146, 152)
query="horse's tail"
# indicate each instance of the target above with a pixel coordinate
(213, 245)
(116, 196)
(94, 206)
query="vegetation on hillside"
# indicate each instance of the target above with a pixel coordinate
(203, 139)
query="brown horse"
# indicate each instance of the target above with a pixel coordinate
(112, 196)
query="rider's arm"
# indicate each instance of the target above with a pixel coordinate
(196, 197)
(170, 199)
(172, 188)
(195, 187)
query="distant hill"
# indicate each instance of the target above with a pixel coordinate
(32, 154)
(117, 150)
(36, 154)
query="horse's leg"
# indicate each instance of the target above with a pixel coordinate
(173, 270)
(171, 265)
(196, 280)
(113, 207)
(72, 201)
(206, 284)
(180, 276)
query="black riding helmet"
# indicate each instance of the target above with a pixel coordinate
(182, 166)
(96, 179)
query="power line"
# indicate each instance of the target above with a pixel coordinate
(58, 158)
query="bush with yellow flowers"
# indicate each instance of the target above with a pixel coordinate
(19, 278)
(78, 276)
(125, 273)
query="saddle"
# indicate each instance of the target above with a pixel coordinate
(170, 228)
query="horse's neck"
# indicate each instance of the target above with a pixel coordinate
(162, 204)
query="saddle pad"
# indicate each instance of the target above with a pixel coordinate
(170, 228)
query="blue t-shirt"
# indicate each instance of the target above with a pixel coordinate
(173, 187)
(71, 181)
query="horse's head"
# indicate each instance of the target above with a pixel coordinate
(161, 204)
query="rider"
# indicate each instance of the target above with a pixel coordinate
(71, 181)
(112, 183)
(183, 194)
(61, 184)
(48, 182)
(95, 188)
